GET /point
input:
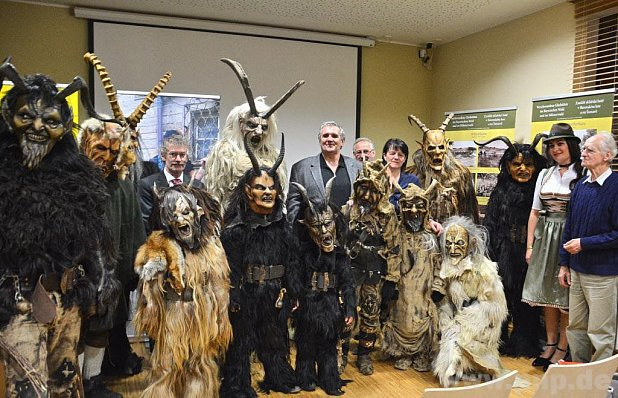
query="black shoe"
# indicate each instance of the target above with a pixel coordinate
(542, 361)
(96, 388)
(549, 362)
(132, 365)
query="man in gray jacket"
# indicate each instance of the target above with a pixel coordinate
(313, 172)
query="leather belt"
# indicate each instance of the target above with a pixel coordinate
(261, 273)
(323, 281)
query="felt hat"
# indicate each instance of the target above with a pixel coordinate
(561, 130)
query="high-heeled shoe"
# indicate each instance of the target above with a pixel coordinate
(549, 362)
(542, 361)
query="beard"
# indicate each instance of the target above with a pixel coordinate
(34, 152)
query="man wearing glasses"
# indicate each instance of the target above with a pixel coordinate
(175, 155)
(364, 150)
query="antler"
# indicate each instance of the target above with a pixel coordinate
(139, 112)
(412, 118)
(8, 70)
(244, 82)
(446, 122)
(273, 169)
(254, 161)
(502, 138)
(536, 140)
(107, 85)
(328, 189)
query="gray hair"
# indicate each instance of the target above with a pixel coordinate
(607, 143)
(176, 140)
(331, 123)
(365, 139)
(477, 236)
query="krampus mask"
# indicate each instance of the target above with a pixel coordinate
(434, 145)
(320, 222)
(372, 187)
(414, 207)
(520, 161)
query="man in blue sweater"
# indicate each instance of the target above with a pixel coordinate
(589, 255)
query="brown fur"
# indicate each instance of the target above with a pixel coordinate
(191, 337)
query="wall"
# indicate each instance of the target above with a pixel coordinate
(506, 66)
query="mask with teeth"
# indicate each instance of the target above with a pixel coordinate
(261, 194)
(320, 218)
(435, 145)
(180, 215)
(456, 242)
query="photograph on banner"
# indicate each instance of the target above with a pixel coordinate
(195, 116)
(587, 112)
(72, 100)
(481, 125)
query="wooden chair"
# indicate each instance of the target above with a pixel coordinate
(586, 380)
(498, 388)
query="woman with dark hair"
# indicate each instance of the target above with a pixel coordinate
(395, 152)
(544, 236)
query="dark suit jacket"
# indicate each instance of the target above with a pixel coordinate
(146, 193)
(307, 172)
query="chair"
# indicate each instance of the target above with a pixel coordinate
(498, 388)
(586, 380)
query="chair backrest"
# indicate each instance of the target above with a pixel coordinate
(498, 388)
(586, 380)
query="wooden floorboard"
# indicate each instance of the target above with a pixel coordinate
(386, 382)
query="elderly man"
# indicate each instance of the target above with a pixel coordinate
(363, 149)
(175, 155)
(589, 254)
(314, 172)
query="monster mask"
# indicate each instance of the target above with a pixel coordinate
(255, 128)
(435, 145)
(456, 242)
(261, 194)
(320, 219)
(414, 209)
(371, 186)
(180, 215)
(101, 142)
(521, 169)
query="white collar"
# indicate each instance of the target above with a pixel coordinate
(170, 177)
(600, 179)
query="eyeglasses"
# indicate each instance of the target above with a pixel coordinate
(174, 155)
(363, 151)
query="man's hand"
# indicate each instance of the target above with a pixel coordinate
(573, 246)
(436, 227)
(564, 276)
(349, 320)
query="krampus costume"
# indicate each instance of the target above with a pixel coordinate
(324, 285)
(506, 220)
(184, 294)
(374, 250)
(454, 194)
(473, 310)
(260, 249)
(56, 256)
(227, 161)
(411, 332)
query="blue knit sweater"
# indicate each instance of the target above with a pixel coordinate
(593, 217)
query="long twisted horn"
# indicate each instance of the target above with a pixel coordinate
(107, 85)
(536, 140)
(80, 84)
(8, 70)
(328, 189)
(244, 82)
(303, 193)
(446, 122)
(139, 112)
(282, 100)
(273, 169)
(412, 118)
(254, 161)
(502, 138)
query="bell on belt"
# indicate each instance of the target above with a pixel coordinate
(279, 302)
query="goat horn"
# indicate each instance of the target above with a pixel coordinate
(8, 70)
(254, 161)
(282, 100)
(107, 85)
(328, 189)
(275, 166)
(139, 112)
(536, 140)
(244, 82)
(502, 138)
(446, 122)
(412, 118)
(303, 193)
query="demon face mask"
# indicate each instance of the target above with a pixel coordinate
(371, 186)
(435, 145)
(521, 169)
(457, 242)
(320, 219)
(254, 128)
(101, 142)
(261, 194)
(414, 212)
(181, 215)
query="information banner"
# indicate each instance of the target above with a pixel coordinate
(587, 112)
(481, 125)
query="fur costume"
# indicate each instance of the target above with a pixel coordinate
(260, 249)
(411, 331)
(56, 256)
(324, 285)
(474, 308)
(375, 252)
(184, 295)
(454, 194)
(506, 221)
(227, 160)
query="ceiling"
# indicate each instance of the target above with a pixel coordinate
(414, 22)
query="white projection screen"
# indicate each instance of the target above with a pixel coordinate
(137, 56)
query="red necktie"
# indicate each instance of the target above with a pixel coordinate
(176, 181)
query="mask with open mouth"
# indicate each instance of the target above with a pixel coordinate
(456, 242)
(435, 145)
(180, 215)
(320, 218)
(372, 186)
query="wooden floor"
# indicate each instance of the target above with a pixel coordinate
(385, 382)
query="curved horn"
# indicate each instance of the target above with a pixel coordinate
(139, 112)
(107, 85)
(303, 193)
(282, 100)
(446, 122)
(383, 171)
(8, 70)
(79, 84)
(412, 118)
(273, 170)
(254, 161)
(244, 82)
(536, 140)
(328, 189)
(431, 187)
(398, 187)
(502, 138)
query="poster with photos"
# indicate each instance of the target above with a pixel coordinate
(481, 125)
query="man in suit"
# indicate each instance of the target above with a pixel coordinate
(175, 154)
(313, 172)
